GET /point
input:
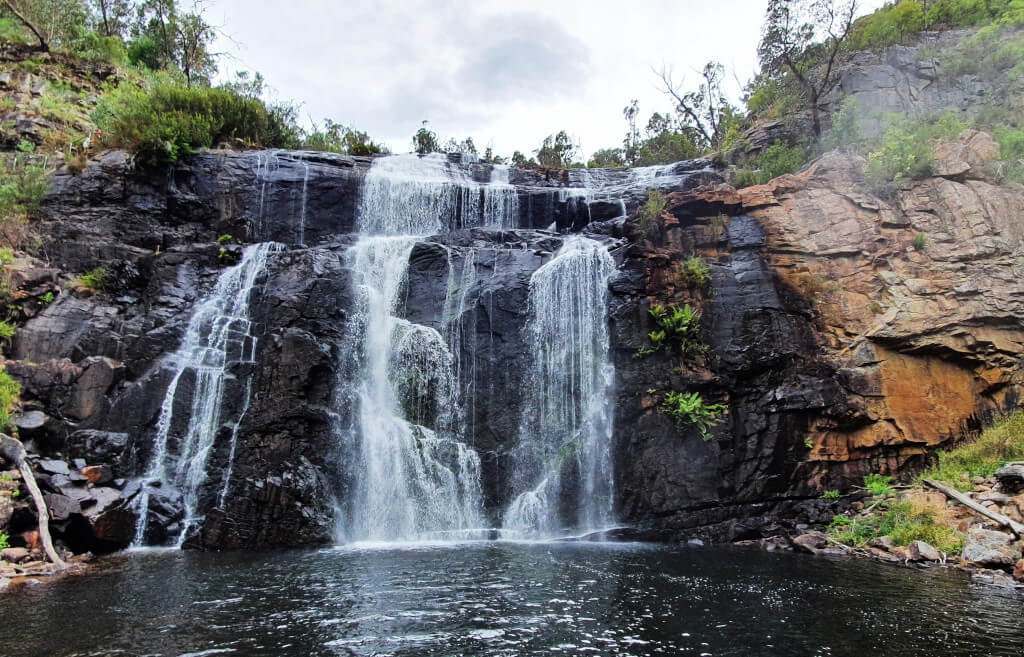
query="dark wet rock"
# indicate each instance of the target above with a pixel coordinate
(1011, 478)
(96, 446)
(53, 466)
(62, 507)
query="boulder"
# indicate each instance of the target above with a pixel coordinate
(53, 466)
(14, 554)
(97, 446)
(988, 548)
(921, 551)
(97, 474)
(1018, 571)
(111, 520)
(812, 542)
(62, 507)
(1011, 478)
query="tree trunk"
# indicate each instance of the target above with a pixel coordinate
(103, 12)
(42, 42)
(1000, 519)
(12, 450)
(815, 118)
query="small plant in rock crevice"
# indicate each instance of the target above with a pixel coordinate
(695, 272)
(920, 240)
(95, 279)
(227, 257)
(878, 485)
(651, 210)
(830, 495)
(691, 409)
(678, 330)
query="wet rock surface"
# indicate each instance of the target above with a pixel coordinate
(818, 317)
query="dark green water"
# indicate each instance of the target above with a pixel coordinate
(508, 599)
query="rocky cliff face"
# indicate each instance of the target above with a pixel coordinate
(838, 348)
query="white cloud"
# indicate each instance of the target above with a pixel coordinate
(506, 74)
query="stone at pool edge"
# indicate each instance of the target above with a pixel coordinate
(813, 542)
(988, 548)
(922, 551)
(14, 554)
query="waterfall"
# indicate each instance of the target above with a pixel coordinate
(413, 195)
(565, 431)
(302, 210)
(264, 161)
(415, 477)
(219, 336)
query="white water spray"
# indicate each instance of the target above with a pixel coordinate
(219, 335)
(565, 433)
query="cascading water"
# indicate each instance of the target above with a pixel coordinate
(219, 336)
(302, 209)
(413, 195)
(415, 477)
(564, 453)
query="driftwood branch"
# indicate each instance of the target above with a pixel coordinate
(13, 451)
(998, 518)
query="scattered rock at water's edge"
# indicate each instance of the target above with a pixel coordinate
(921, 551)
(991, 549)
(813, 542)
(1011, 478)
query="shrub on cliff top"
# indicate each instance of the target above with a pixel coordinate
(163, 120)
(776, 160)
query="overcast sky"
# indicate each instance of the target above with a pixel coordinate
(505, 73)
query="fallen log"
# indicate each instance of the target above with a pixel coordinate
(13, 451)
(998, 518)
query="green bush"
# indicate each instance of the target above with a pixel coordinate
(776, 160)
(335, 138)
(904, 151)
(94, 279)
(1011, 151)
(920, 240)
(830, 495)
(691, 409)
(903, 523)
(7, 330)
(24, 181)
(4, 539)
(12, 31)
(878, 485)
(695, 271)
(164, 120)
(678, 329)
(652, 209)
(9, 391)
(981, 457)
(893, 23)
(845, 130)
